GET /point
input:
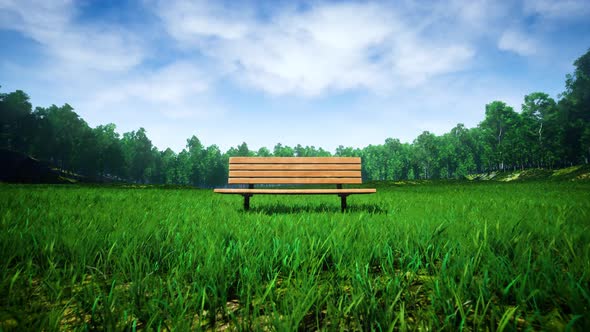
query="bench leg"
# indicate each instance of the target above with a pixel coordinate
(342, 203)
(247, 202)
(247, 198)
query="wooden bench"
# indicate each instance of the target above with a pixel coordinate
(294, 170)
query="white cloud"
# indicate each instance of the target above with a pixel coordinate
(328, 47)
(308, 54)
(462, 18)
(517, 42)
(561, 9)
(169, 84)
(173, 91)
(415, 64)
(195, 19)
(51, 24)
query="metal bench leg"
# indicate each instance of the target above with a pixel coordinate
(247, 202)
(342, 202)
(247, 198)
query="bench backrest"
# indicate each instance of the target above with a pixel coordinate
(294, 170)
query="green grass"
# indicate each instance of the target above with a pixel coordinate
(441, 256)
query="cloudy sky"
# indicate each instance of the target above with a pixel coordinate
(320, 73)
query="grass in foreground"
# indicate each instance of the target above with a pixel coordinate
(473, 256)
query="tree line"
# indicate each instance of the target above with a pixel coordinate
(545, 133)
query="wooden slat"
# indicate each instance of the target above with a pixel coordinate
(295, 180)
(294, 174)
(294, 160)
(297, 191)
(295, 167)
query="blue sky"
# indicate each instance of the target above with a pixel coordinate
(320, 73)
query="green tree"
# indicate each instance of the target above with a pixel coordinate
(373, 165)
(394, 164)
(157, 172)
(183, 168)
(110, 158)
(342, 151)
(196, 151)
(243, 151)
(216, 169)
(283, 151)
(169, 166)
(448, 158)
(574, 108)
(465, 151)
(263, 152)
(137, 149)
(499, 127)
(427, 154)
(69, 135)
(15, 120)
(541, 129)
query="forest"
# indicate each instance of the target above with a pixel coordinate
(546, 133)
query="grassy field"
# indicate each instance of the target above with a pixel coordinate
(437, 256)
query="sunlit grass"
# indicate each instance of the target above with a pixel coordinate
(442, 256)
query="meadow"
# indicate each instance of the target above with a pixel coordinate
(427, 256)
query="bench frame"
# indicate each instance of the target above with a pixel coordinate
(295, 170)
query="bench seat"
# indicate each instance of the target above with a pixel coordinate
(296, 191)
